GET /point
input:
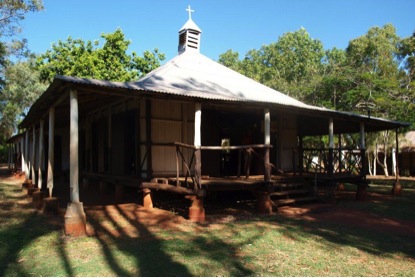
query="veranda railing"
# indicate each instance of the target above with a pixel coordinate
(333, 161)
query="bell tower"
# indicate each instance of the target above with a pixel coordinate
(189, 35)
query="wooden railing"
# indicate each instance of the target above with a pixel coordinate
(195, 174)
(333, 161)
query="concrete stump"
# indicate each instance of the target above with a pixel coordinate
(26, 184)
(361, 193)
(37, 199)
(51, 205)
(75, 220)
(119, 193)
(196, 209)
(397, 189)
(264, 203)
(147, 200)
(31, 190)
(102, 187)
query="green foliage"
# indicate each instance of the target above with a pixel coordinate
(364, 78)
(75, 57)
(12, 12)
(22, 88)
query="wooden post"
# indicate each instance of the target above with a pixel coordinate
(109, 140)
(73, 147)
(75, 218)
(361, 193)
(41, 154)
(340, 154)
(363, 149)
(26, 155)
(33, 157)
(267, 142)
(397, 188)
(148, 140)
(51, 150)
(198, 144)
(331, 147)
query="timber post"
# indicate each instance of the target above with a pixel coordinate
(361, 193)
(51, 150)
(33, 157)
(198, 144)
(196, 209)
(267, 141)
(41, 154)
(331, 148)
(397, 187)
(26, 156)
(75, 218)
(51, 204)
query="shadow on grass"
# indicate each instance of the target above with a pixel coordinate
(15, 237)
(154, 255)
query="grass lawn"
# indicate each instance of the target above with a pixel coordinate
(33, 244)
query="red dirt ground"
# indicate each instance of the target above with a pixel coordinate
(128, 219)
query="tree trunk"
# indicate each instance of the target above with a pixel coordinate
(369, 164)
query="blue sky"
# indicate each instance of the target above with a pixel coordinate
(226, 24)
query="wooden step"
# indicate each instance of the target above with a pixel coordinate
(289, 185)
(290, 192)
(293, 201)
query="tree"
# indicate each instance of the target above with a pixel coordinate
(75, 57)
(11, 13)
(291, 65)
(21, 89)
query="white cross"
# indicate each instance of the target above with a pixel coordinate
(190, 11)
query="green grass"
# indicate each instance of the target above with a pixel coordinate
(32, 245)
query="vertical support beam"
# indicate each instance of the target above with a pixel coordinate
(109, 140)
(331, 147)
(267, 142)
(361, 193)
(26, 155)
(51, 150)
(148, 140)
(73, 147)
(363, 149)
(41, 154)
(397, 188)
(301, 154)
(87, 143)
(184, 133)
(75, 218)
(198, 144)
(33, 157)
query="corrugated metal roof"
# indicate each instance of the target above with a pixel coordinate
(194, 75)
